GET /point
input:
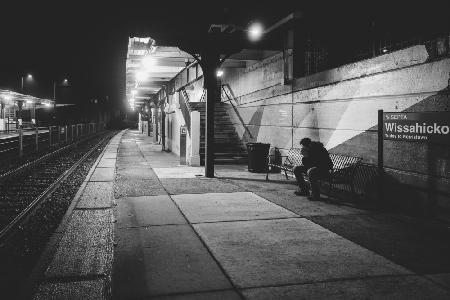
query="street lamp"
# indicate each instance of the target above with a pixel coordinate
(65, 83)
(28, 77)
(255, 31)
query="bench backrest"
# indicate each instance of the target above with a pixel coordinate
(294, 157)
(343, 164)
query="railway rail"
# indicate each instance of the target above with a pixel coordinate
(23, 189)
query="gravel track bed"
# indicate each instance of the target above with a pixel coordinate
(21, 252)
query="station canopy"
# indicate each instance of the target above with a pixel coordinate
(149, 67)
(10, 98)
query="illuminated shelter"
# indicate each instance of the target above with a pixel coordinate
(12, 102)
(150, 67)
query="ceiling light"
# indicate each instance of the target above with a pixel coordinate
(255, 31)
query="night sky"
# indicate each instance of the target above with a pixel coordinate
(87, 42)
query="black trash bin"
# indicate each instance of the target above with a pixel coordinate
(257, 156)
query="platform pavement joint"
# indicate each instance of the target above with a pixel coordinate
(180, 235)
(81, 254)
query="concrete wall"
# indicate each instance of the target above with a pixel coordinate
(339, 108)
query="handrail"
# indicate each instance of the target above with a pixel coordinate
(234, 107)
(184, 99)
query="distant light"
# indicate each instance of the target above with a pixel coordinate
(47, 104)
(65, 81)
(384, 50)
(29, 76)
(219, 73)
(255, 31)
(141, 76)
(29, 102)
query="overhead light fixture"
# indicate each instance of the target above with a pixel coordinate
(219, 73)
(255, 31)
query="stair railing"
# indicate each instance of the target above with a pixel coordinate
(226, 90)
(184, 99)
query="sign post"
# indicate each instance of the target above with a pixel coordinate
(380, 163)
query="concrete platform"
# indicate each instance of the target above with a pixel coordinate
(146, 227)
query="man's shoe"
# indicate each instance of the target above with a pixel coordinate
(301, 193)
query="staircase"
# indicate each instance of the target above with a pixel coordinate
(228, 148)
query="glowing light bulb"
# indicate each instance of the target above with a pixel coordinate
(255, 31)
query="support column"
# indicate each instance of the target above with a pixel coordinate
(2, 116)
(195, 139)
(33, 114)
(154, 127)
(140, 122)
(163, 129)
(210, 63)
(19, 114)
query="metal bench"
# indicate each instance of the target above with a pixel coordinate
(343, 171)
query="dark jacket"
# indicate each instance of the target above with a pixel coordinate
(317, 156)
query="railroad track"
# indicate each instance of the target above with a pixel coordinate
(23, 189)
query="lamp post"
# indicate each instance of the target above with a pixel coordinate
(28, 77)
(65, 83)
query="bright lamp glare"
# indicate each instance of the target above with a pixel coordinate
(255, 31)
(47, 104)
(219, 73)
(29, 76)
(29, 102)
(141, 76)
(149, 62)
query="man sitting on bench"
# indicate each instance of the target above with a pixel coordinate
(316, 164)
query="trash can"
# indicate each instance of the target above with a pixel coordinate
(257, 157)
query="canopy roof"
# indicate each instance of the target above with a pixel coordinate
(9, 98)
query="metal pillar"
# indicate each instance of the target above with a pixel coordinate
(20, 142)
(210, 63)
(50, 135)
(380, 157)
(2, 111)
(36, 132)
(33, 114)
(19, 114)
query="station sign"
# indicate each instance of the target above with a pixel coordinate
(432, 127)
